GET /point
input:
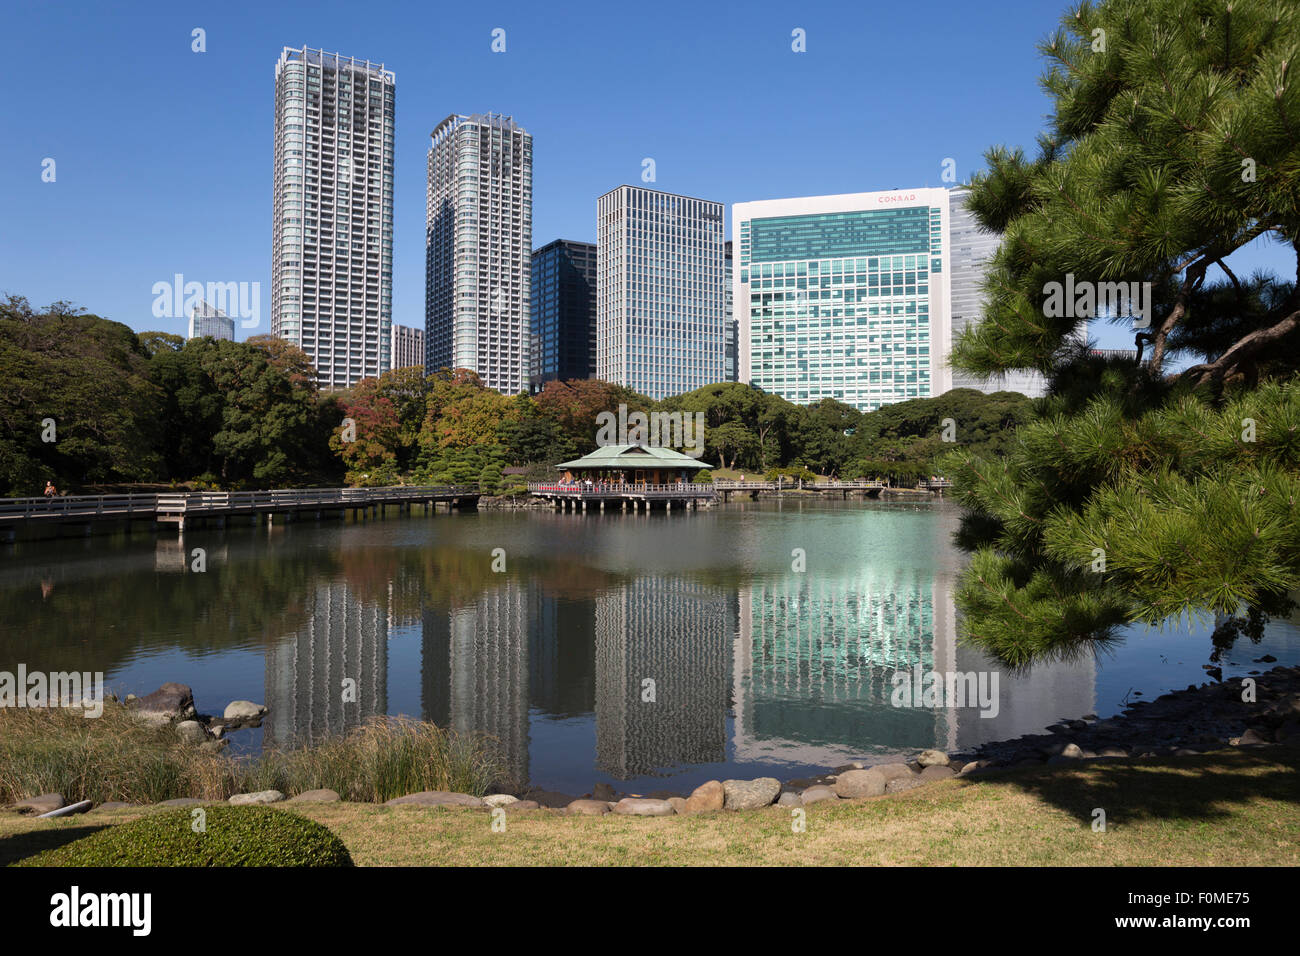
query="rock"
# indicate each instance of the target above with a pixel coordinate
(1072, 750)
(1112, 752)
(243, 710)
(933, 758)
(892, 771)
(254, 799)
(706, 797)
(42, 804)
(603, 791)
(644, 807)
(1253, 737)
(436, 798)
(910, 782)
(552, 798)
(816, 795)
(789, 799)
(173, 700)
(972, 767)
(753, 794)
(588, 808)
(860, 783)
(679, 804)
(935, 772)
(154, 718)
(192, 731)
(316, 796)
(851, 765)
(500, 800)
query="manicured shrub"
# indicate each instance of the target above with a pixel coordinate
(231, 836)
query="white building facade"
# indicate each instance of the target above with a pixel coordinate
(332, 238)
(408, 346)
(207, 320)
(660, 291)
(478, 249)
(851, 297)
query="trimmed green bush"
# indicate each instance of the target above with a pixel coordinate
(233, 836)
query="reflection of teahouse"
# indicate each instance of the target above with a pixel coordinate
(633, 464)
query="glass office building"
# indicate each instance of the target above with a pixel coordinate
(332, 233)
(209, 321)
(660, 295)
(849, 297)
(478, 248)
(563, 312)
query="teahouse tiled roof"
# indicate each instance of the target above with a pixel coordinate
(634, 456)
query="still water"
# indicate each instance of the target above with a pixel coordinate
(649, 651)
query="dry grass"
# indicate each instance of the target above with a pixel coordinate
(1230, 809)
(116, 756)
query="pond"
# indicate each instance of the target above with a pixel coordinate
(652, 651)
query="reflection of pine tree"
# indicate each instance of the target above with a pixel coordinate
(1139, 494)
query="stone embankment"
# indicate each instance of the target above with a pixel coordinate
(1255, 712)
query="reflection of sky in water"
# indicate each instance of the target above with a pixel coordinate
(755, 669)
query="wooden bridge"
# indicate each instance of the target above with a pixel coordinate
(82, 512)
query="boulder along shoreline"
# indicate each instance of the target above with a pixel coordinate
(1259, 710)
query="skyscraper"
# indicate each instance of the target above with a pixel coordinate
(332, 245)
(731, 350)
(408, 346)
(207, 320)
(659, 291)
(563, 312)
(478, 247)
(855, 297)
(971, 248)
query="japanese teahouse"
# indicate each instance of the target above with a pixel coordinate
(633, 464)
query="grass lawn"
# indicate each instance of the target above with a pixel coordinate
(1231, 808)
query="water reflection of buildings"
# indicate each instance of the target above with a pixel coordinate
(332, 674)
(815, 660)
(475, 660)
(675, 633)
(801, 663)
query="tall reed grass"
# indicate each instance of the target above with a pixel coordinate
(117, 756)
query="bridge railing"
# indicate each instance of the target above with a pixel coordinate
(200, 501)
(76, 506)
(788, 484)
(627, 488)
(183, 502)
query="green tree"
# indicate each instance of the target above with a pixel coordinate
(1142, 492)
(77, 405)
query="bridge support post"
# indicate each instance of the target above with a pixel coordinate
(668, 505)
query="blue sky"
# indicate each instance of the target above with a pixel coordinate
(163, 155)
